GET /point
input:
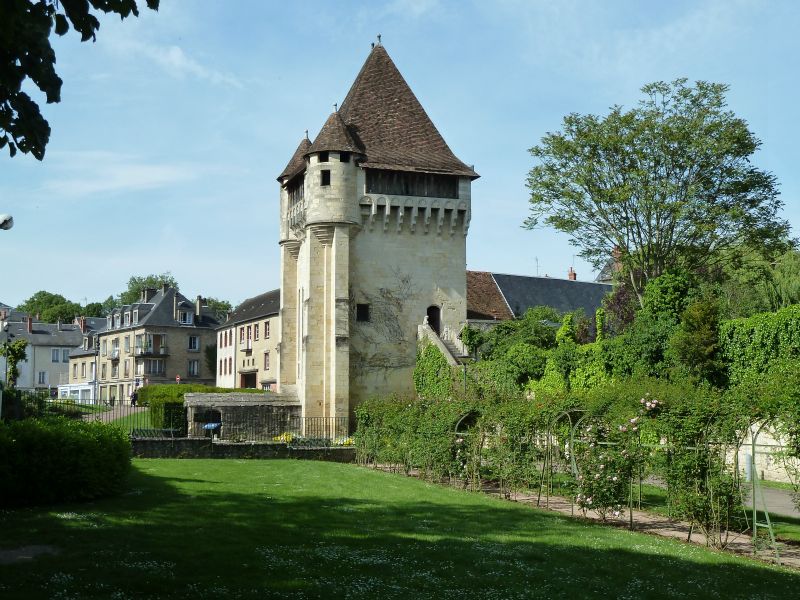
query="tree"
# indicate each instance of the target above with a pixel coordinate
(137, 283)
(220, 308)
(669, 183)
(26, 53)
(14, 353)
(696, 343)
(210, 355)
(50, 307)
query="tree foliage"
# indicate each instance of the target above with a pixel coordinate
(26, 53)
(52, 307)
(668, 183)
(14, 353)
(137, 283)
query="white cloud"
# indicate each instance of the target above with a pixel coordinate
(82, 174)
(172, 59)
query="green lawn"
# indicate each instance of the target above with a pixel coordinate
(301, 529)
(134, 420)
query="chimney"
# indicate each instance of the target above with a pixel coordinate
(572, 275)
(30, 324)
(197, 304)
(82, 324)
(148, 293)
(175, 306)
(58, 324)
(164, 287)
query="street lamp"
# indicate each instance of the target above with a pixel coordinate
(6, 221)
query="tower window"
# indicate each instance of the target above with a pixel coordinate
(362, 312)
(326, 177)
(323, 157)
(344, 157)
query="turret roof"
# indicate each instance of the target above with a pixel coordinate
(382, 119)
(387, 120)
(334, 136)
(298, 162)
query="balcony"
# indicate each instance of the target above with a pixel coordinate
(114, 354)
(297, 214)
(150, 351)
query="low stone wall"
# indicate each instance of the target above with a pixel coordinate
(205, 448)
(243, 417)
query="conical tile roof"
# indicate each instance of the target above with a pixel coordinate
(298, 162)
(334, 136)
(387, 121)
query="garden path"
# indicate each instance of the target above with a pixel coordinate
(655, 524)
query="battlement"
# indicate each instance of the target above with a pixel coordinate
(415, 214)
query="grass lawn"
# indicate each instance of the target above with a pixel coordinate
(301, 529)
(134, 420)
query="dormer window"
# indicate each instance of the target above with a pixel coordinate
(127, 319)
(108, 322)
(185, 317)
(135, 316)
(323, 157)
(116, 321)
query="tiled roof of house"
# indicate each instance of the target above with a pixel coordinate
(388, 122)
(334, 136)
(484, 300)
(298, 162)
(46, 334)
(160, 311)
(263, 305)
(524, 292)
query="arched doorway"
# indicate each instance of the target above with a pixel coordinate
(434, 319)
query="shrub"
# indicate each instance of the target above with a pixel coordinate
(433, 377)
(750, 345)
(43, 461)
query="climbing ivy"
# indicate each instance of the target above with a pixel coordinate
(433, 376)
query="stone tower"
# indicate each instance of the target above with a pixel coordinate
(373, 226)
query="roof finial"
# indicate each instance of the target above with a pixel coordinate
(306, 133)
(379, 39)
(336, 107)
(372, 45)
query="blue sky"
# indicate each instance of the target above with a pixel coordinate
(173, 127)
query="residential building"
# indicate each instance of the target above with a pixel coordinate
(160, 339)
(247, 344)
(497, 296)
(47, 354)
(374, 215)
(80, 383)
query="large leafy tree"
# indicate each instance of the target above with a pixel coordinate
(137, 283)
(668, 183)
(26, 53)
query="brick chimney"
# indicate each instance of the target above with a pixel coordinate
(148, 293)
(572, 275)
(29, 320)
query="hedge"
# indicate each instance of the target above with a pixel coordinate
(43, 461)
(166, 402)
(749, 345)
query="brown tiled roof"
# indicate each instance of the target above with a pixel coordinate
(484, 300)
(297, 162)
(388, 122)
(334, 136)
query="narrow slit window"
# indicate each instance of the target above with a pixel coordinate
(326, 177)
